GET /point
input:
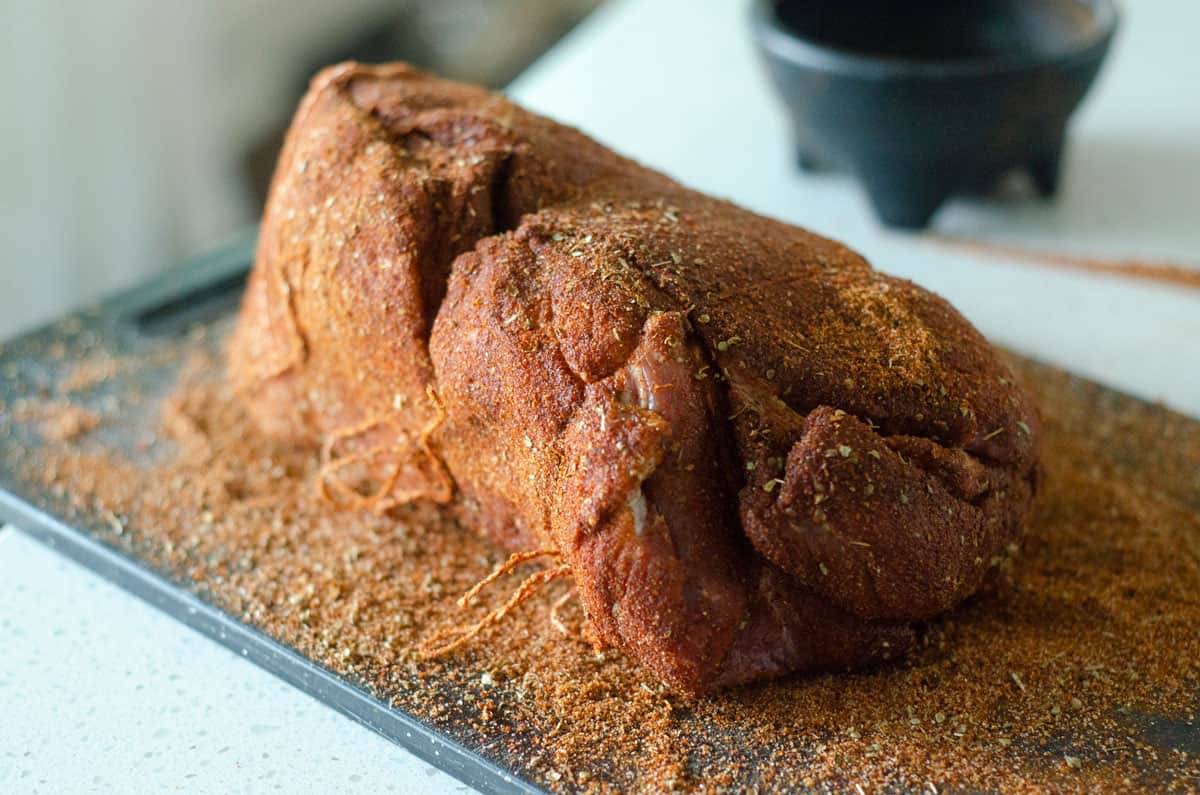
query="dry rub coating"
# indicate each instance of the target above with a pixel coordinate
(755, 454)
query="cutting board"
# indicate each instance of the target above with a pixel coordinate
(1102, 440)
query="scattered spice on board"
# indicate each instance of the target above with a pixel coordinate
(66, 422)
(57, 420)
(1079, 673)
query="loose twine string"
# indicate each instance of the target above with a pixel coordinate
(338, 492)
(454, 638)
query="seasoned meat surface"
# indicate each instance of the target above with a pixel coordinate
(756, 454)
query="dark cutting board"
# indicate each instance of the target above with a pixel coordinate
(191, 308)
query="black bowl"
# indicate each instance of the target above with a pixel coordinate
(923, 100)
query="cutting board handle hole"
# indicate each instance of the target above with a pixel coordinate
(205, 303)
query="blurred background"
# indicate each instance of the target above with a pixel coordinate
(139, 132)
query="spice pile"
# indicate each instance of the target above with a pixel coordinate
(1081, 672)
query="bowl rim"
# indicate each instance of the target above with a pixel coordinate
(803, 51)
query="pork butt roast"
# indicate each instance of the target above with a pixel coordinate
(753, 453)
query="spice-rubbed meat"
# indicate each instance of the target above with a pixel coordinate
(754, 453)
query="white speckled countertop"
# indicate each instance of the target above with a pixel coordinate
(99, 692)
